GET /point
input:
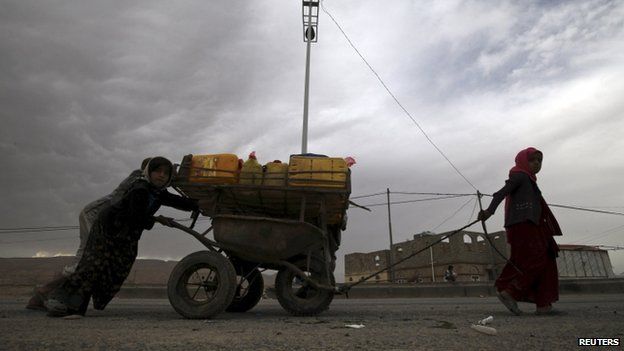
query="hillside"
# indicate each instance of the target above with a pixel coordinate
(34, 271)
(37, 271)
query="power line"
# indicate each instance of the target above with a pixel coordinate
(439, 196)
(600, 235)
(394, 97)
(26, 230)
(473, 211)
(37, 240)
(578, 208)
(453, 215)
(50, 227)
(369, 195)
(586, 209)
(409, 193)
(418, 200)
(595, 207)
(416, 193)
(37, 230)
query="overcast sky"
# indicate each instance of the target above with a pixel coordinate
(90, 88)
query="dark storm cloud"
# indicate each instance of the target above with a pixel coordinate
(89, 89)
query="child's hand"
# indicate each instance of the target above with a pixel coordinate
(484, 215)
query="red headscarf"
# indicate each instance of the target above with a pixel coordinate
(522, 165)
(522, 162)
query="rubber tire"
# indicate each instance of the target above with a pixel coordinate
(226, 285)
(308, 306)
(255, 288)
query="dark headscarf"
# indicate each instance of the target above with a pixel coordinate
(522, 162)
(144, 164)
(156, 162)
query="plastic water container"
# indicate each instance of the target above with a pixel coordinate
(275, 173)
(214, 169)
(317, 171)
(251, 173)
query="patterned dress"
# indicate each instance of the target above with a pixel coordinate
(89, 214)
(112, 246)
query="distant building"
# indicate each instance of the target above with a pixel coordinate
(472, 256)
(580, 261)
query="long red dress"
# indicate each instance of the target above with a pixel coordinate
(535, 277)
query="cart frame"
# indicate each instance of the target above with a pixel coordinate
(286, 228)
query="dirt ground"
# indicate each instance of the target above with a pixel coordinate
(387, 324)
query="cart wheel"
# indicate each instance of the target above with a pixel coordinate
(249, 288)
(297, 297)
(201, 285)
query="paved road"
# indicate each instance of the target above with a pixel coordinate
(389, 324)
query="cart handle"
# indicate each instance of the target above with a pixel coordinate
(170, 222)
(194, 217)
(166, 221)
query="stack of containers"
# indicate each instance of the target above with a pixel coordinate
(307, 170)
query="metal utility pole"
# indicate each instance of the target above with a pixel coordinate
(310, 24)
(432, 269)
(390, 270)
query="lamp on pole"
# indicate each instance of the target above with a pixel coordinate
(309, 13)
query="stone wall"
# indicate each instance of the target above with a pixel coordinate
(469, 253)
